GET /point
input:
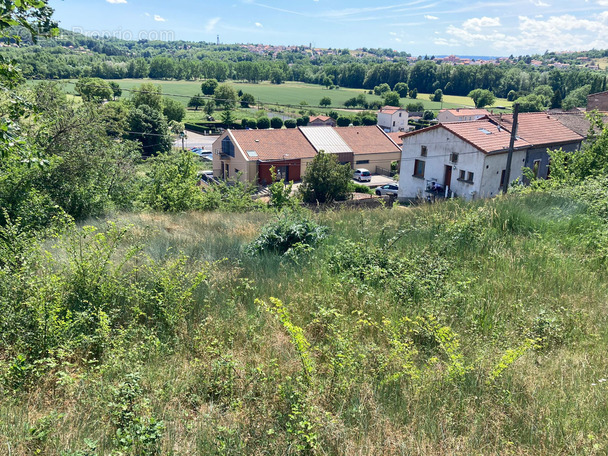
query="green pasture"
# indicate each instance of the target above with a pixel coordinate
(291, 94)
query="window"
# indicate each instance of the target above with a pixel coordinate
(423, 151)
(470, 177)
(462, 175)
(454, 157)
(227, 147)
(399, 114)
(419, 168)
(361, 162)
(502, 177)
(393, 123)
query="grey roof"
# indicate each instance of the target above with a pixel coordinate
(325, 139)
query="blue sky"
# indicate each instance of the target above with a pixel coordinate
(420, 27)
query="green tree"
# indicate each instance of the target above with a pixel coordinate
(227, 117)
(196, 102)
(209, 107)
(414, 107)
(171, 183)
(437, 96)
(280, 193)
(225, 96)
(325, 101)
(116, 90)
(247, 100)
(149, 127)
(94, 89)
(276, 123)
(290, 123)
(208, 86)
(173, 110)
(391, 99)
(531, 103)
(482, 97)
(325, 180)
(413, 94)
(402, 89)
(382, 89)
(577, 98)
(148, 94)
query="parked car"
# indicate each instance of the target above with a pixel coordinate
(362, 175)
(388, 189)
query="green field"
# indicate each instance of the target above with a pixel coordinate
(291, 94)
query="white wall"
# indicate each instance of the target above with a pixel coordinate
(440, 145)
(494, 164)
(386, 120)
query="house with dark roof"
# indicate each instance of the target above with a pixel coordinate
(597, 101)
(468, 159)
(251, 153)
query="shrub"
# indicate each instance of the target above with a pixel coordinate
(276, 123)
(343, 121)
(290, 233)
(325, 179)
(263, 123)
(290, 123)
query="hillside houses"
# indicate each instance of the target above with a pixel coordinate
(469, 159)
(249, 154)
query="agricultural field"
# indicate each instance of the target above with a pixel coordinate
(291, 94)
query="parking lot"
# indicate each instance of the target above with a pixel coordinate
(196, 140)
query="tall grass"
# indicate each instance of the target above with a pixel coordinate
(454, 328)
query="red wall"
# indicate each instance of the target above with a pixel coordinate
(293, 173)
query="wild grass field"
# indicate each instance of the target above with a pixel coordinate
(291, 93)
(454, 328)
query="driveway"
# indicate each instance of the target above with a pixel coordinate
(377, 181)
(196, 140)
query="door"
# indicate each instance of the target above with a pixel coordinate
(447, 181)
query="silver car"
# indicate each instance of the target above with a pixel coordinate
(388, 189)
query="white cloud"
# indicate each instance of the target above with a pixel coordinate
(147, 14)
(211, 23)
(539, 3)
(157, 18)
(114, 2)
(477, 23)
(532, 34)
(257, 24)
(430, 18)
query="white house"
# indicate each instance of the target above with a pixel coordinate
(392, 118)
(461, 115)
(469, 158)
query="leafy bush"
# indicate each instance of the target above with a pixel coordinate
(288, 234)
(263, 123)
(325, 180)
(290, 123)
(354, 187)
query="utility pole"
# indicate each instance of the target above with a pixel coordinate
(505, 184)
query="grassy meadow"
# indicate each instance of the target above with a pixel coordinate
(454, 328)
(290, 93)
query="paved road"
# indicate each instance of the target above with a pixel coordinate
(377, 181)
(196, 140)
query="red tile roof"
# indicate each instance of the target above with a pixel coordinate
(396, 137)
(367, 140)
(390, 109)
(481, 134)
(538, 128)
(467, 112)
(274, 144)
(321, 118)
